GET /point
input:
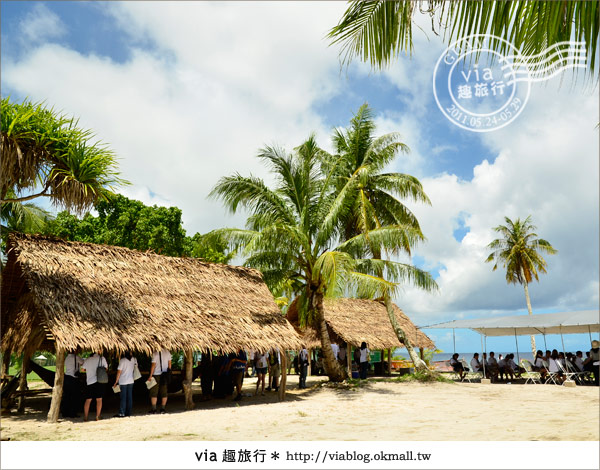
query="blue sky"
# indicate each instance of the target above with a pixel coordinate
(186, 92)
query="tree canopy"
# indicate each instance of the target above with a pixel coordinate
(376, 31)
(45, 153)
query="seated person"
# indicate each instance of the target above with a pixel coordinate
(492, 367)
(553, 367)
(475, 364)
(578, 361)
(516, 370)
(457, 366)
(539, 366)
(503, 371)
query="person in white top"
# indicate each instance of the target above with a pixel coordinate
(335, 348)
(475, 364)
(93, 388)
(579, 360)
(364, 360)
(261, 361)
(492, 366)
(71, 401)
(125, 381)
(161, 362)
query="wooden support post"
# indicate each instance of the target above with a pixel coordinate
(389, 367)
(309, 362)
(283, 380)
(189, 377)
(57, 390)
(349, 359)
(5, 362)
(23, 380)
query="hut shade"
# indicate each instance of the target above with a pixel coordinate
(357, 320)
(112, 298)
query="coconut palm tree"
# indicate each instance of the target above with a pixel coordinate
(46, 154)
(357, 171)
(292, 236)
(378, 30)
(518, 252)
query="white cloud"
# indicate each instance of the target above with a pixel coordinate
(40, 24)
(546, 167)
(224, 80)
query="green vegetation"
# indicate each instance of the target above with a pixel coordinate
(32, 376)
(46, 152)
(378, 30)
(321, 230)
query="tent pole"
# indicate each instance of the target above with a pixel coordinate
(563, 345)
(545, 347)
(517, 345)
(590, 333)
(482, 351)
(454, 340)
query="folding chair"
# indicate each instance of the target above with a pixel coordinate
(530, 374)
(569, 375)
(552, 376)
(467, 370)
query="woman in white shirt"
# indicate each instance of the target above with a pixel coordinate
(93, 388)
(364, 360)
(261, 360)
(125, 381)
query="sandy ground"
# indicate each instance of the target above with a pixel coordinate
(376, 411)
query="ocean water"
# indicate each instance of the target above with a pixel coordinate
(467, 356)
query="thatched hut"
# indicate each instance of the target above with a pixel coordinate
(59, 295)
(352, 321)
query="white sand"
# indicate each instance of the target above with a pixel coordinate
(378, 411)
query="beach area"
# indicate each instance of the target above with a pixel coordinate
(375, 410)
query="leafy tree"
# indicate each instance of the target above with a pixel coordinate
(129, 223)
(46, 152)
(291, 235)
(378, 30)
(518, 252)
(357, 171)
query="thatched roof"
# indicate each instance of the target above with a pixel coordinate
(358, 320)
(98, 296)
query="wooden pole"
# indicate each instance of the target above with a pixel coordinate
(389, 367)
(5, 362)
(309, 362)
(189, 377)
(349, 359)
(283, 381)
(57, 390)
(23, 379)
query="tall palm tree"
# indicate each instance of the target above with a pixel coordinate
(291, 235)
(517, 250)
(357, 169)
(378, 30)
(46, 154)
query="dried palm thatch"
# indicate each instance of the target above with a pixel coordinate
(104, 297)
(357, 320)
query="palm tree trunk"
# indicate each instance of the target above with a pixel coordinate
(420, 366)
(332, 367)
(533, 348)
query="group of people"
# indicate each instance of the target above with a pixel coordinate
(557, 363)
(96, 377)
(551, 363)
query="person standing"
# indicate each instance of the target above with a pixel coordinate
(274, 369)
(342, 355)
(364, 360)
(262, 364)
(94, 389)
(161, 362)
(303, 365)
(239, 364)
(592, 362)
(125, 381)
(336, 349)
(71, 400)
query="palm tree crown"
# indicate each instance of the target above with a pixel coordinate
(518, 249)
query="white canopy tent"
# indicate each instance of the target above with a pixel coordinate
(585, 321)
